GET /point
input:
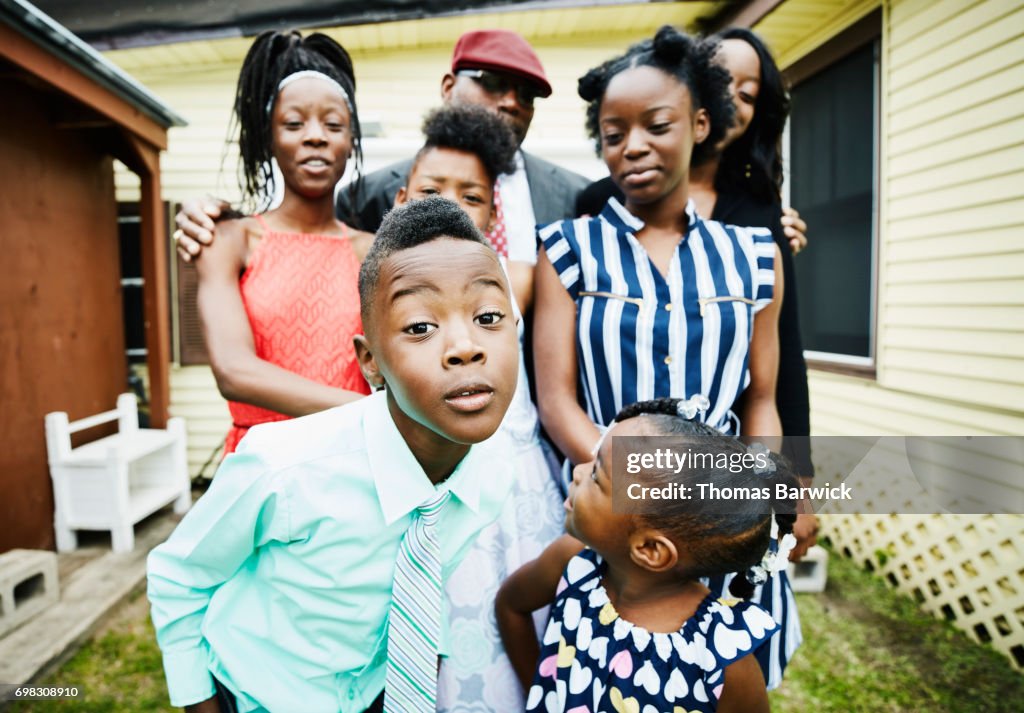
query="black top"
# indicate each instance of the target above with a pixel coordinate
(791, 393)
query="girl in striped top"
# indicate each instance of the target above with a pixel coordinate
(648, 300)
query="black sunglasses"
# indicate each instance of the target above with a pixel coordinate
(498, 84)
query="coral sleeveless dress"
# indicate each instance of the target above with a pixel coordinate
(301, 293)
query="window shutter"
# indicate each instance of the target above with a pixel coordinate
(192, 346)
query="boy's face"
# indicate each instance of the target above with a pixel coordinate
(442, 337)
(459, 176)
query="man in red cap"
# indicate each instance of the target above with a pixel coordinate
(496, 69)
(499, 70)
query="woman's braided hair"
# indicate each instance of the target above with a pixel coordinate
(273, 56)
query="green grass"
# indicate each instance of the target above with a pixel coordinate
(119, 669)
(866, 648)
(869, 648)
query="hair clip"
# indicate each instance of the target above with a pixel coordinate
(763, 466)
(786, 545)
(688, 408)
(757, 575)
(773, 561)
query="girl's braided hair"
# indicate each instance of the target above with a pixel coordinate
(273, 56)
(690, 61)
(731, 542)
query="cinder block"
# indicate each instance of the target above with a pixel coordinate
(28, 585)
(811, 573)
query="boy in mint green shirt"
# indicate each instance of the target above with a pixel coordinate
(277, 586)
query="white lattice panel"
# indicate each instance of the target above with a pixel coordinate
(967, 569)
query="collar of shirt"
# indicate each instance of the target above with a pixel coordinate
(624, 221)
(517, 210)
(401, 484)
(520, 163)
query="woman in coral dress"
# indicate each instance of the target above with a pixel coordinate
(278, 292)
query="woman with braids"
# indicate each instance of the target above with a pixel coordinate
(649, 300)
(632, 625)
(278, 294)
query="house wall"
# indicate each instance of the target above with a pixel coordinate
(61, 333)
(951, 287)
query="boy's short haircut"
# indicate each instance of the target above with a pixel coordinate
(408, 226)
(470, 128)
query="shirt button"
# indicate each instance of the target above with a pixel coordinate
(668, 360)
(668, 307)
(351, 694)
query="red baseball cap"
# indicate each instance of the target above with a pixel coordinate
(500, 51)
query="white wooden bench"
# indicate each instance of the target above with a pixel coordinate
(116, 481)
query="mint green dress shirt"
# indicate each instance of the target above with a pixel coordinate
(278, 581)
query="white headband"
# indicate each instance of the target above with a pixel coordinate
(310, 74)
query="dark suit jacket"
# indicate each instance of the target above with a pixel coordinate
(553, 192)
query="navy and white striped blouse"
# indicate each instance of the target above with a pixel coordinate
(641, 335)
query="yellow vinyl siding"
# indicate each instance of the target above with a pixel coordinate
(954, 173)
(844, 406)
(985, 190)
(194, 396)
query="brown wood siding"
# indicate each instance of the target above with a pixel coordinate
(61, 333)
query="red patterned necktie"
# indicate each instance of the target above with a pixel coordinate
(497, 237)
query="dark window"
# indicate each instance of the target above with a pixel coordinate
(129, 233)
(833, 159)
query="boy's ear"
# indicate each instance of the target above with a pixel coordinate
(368, 363)
(402, 196)
(653, 551)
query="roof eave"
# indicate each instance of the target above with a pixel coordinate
(41, 29)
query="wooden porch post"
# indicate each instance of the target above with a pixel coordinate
(155, 307)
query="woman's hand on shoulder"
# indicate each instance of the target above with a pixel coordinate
(795, 229)
(196, 221)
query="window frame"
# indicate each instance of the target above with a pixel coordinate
(865, 31)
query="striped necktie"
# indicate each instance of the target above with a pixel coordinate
(414, 622)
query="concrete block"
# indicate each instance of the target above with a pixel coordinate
(811, 573)
(28, 585)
